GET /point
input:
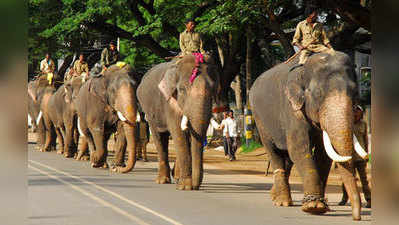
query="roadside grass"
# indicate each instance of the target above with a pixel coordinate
(251, 146)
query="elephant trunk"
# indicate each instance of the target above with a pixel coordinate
(336, 119)
(126, 111)
(199, 118)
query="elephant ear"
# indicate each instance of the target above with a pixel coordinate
(67, 93)
(295, 95)
(169, 82)
(97, 87)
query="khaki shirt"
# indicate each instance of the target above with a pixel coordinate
(306, 34)
(190, 42)
(109, 57)
(47, 67)
(80, 67)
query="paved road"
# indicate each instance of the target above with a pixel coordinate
(67, 192)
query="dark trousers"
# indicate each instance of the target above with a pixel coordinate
(226, 145)
(232, 146)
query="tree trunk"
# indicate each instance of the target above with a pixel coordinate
(236, 86)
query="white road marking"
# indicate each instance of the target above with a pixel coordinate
(116, 195)
(95, 198)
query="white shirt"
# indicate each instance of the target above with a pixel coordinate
(232, 127)
(225, 125)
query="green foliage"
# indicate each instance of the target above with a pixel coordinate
(250, 147)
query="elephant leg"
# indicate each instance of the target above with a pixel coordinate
(184, 158)
(300, 153)
(83, 150)
(280, 192)
(361, 170)
(41, 135)
(98, 157)
(144, 150)
(161, 141)
(138, 151)
(176, 171)
(69, 151)
(60, 141)
(121, 144)
(323, 162)
(49, 137)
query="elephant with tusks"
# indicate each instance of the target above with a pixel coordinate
(188, 125)
(304, 109)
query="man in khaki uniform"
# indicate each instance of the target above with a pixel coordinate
(310, 37)
(190, 41)
(80, 67)
(109, 56)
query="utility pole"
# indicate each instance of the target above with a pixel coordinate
(248, 122)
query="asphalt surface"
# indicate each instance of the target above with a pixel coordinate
(67, 192)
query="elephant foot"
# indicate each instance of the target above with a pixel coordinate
(185, 184)
(281, 198)
(99, 165)
(163, 179)
(314, 205)
(68, 155)
(280, 192)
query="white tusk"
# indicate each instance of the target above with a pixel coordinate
(184, 121)
(331, 152)
(121, 117)
(79, 129)
(39, 117)
(358, 148)
(29, 120)
(138, 118)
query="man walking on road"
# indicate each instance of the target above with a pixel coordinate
(233, 136)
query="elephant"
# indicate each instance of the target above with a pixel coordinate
(195, 102)
(309, 107)
(104, 103)
(62, 115)
(39, 92)
(33, 107)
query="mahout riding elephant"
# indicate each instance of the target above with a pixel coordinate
(310, 107)
(40, 91)
(102, 103)
(62, 115)
(195, 101)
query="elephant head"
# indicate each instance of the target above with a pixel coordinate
(118, 90)
(195, 100)
(71, 89)
(324, 94)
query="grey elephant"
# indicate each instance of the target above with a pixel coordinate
(310, 107)
(62, 115)
(195, 101)
(39, 92)
(103, 104)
